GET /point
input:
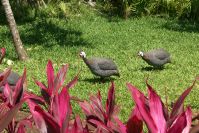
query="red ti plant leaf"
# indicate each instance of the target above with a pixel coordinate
(178, 105)
(121, 126)
(14, 96)
(8, 117)
(3, 52)
(62, 109)
(135, 123)
(8, 93)
(54, 84)
(77, 126)
(59, 80)
(139, 99)
(98, 116)
(50, 76)
(44, 121)
(153, 113)
(110, 102)
(18, 90)
(156, 110)
(22, 124)
(3, 76)
(182, 123)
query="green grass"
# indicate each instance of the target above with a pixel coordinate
(60, 40)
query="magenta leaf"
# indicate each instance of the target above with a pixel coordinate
(59, 80)
(3, 52)
(139, 99)
(110, 102)
(77, 126)
(100, 125)
(38, 118)
(64, 109)
(122, 127)
(182, 123)
(8, 94)
(50, 75)
(7, 118)
(135, 123)
(18, 91)
(177, 108)
(156, 110)
(4, 75)
(72, 82)
(51, 124)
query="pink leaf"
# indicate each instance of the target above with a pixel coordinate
(7, 118)
(110, 102)
(139, 99)
(179, 103)
(86, 108)
(42, 86)
(4, 75)
(72, 82)
(188, 114)
(50, 75)
(3, 52)
(135, 123)
(100, 125)
(51, 124)
(38, 118)
(64, 109)
(8, 93)
(181, 124)
(18, 91)
(121, 126)
(77, 126)
(59, 80)
(156, 110)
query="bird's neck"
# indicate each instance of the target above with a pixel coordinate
(85, 60)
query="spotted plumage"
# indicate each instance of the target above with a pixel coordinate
(156, 58)
(102, 67)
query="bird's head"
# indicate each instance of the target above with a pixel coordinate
(82, 54)
(140, 53)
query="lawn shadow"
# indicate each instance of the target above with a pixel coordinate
(48, 33)
(44, 31)
(182, 26)
(149, 68)
(98, 80)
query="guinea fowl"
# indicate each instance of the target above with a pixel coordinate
(13, 76)
(102, 67)
(156, 58)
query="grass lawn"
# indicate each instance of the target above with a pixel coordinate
(60, 40)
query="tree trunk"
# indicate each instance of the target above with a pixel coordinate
(13, 28)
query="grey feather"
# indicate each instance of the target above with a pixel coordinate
(157, 57)
(102, 67)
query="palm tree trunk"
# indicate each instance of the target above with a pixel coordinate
(13, 28)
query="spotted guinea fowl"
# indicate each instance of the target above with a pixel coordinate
(102, 67)
(156, 58)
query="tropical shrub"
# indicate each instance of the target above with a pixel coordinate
(155, 114)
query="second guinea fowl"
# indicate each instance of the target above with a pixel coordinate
(102, 67)
(156, 58)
